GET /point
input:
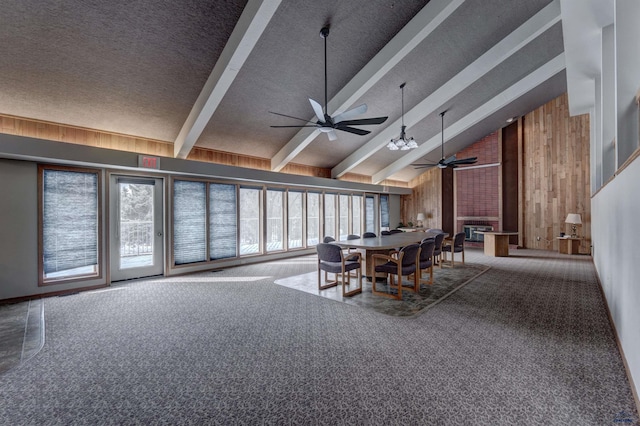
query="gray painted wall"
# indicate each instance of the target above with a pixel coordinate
(19, 235)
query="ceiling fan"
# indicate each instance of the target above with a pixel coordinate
(343, 121)
(450, 162)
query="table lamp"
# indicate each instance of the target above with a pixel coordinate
(419, 219)
(574, 219)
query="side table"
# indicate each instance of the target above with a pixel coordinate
(568, 245)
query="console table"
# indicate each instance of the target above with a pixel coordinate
(568, 245)
(496, 244)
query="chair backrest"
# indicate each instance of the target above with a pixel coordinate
(438, 240)
(458, 239)
(385, 233)
(395, 231)
(410, 254)
(369, 235)
(329, 252)
(426, 249)
(328, 239)
(353, 237)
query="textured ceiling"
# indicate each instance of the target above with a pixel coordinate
(138, 68)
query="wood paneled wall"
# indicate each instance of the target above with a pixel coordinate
(555, 175)
(426, 198)
(554, 179)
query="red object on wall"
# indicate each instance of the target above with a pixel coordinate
(477, 190)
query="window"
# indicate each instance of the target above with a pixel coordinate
(369, 214)
(384, 211)
(356, 207)
(313, 218)
(294, 215)
(223, 234)
(189, 222)
(70, 223)
(343, 222)
(275, 213)
(250, 220)
(330, 215)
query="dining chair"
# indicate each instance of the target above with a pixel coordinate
(437, 249)
(332, 260)
(396, 231)
(400, 263)
(385, 233)
(426, 260)
(328, 239)
(369, 235)
(457, 246)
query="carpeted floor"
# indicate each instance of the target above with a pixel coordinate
(527, 342)
(446, 281)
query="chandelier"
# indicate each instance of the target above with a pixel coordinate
(402, 142)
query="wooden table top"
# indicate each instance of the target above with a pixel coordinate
(384, 242)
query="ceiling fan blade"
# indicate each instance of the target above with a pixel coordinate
(470, 160)
(449, 160)
(290, 116)
(362, 121)
(354, 130)
(353, 112)
(332, 135)
(424, 164)
(317, 108)
(297, 126)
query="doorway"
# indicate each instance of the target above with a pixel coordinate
(137, 237)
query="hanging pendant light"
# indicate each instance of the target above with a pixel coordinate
(402, 143)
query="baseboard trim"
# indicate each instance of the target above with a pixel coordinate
(50, 294)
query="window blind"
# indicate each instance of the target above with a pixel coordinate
(223, 225)
(384, 211)
(369, 214)
(189, 222)
(70, 220)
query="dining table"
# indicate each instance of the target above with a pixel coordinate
(382, 244)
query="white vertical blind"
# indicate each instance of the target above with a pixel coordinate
(369, 214)
(189, 222)
(384, 211)
(70, 221)
(223, 222)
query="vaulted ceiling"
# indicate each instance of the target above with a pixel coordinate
(208, 73)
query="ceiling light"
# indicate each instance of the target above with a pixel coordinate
(402, 143)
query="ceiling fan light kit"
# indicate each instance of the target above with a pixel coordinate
(343, 121)
(402, 142)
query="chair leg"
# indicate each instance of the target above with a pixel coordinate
(327, 284)
(348, 277)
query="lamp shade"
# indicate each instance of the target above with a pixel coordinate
(573, 218)
(420, 216)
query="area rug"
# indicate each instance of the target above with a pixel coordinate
(446, 281)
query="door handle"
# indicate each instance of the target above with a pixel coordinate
(159, 234)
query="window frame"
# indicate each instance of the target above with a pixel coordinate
(99, 272)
